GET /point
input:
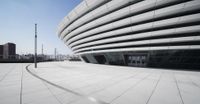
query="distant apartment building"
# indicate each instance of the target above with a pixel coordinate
(9, 51)
(1, 51)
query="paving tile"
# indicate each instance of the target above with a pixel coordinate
(138, 94)
(47, 100)
(108, 84)
(13, 99)
(166, 91)
(189, 92)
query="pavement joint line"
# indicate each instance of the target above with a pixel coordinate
(90, 98)
(178, 88)
(114, 83)
(136, 72)
(110, 85)
(52, 92)
(195, 84)
(21, 87)
(107, 79)
(70, 82)
(73, 101)
(89, 78)
(154, 89)
(134, 85)
(12, 68)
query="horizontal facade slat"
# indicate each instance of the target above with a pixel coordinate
(160, 25)
(186, 47)
(97, 26)
(135, 9)
(144, 42)
(157, 17)
(110, 7)
(177, 32)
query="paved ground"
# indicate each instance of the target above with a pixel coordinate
(81, 83)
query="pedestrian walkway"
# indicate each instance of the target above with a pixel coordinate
(83, 83)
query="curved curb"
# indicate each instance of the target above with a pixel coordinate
(92, 99)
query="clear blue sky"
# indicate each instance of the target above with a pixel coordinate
(17, 19)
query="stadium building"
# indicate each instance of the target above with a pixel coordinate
(144, 33)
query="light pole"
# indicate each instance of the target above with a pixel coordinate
(35, 57)
(55, 54)
(42, 53)
(42, 49)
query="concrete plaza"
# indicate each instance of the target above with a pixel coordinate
(83, 83)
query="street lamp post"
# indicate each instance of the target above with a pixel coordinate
(35, 57)
(42, 53)
(55, 54)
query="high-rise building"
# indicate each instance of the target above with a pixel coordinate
(146, 33)
(9, 51)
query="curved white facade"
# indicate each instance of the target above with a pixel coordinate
(129, 26)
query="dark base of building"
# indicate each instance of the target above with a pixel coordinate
(173, 59)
